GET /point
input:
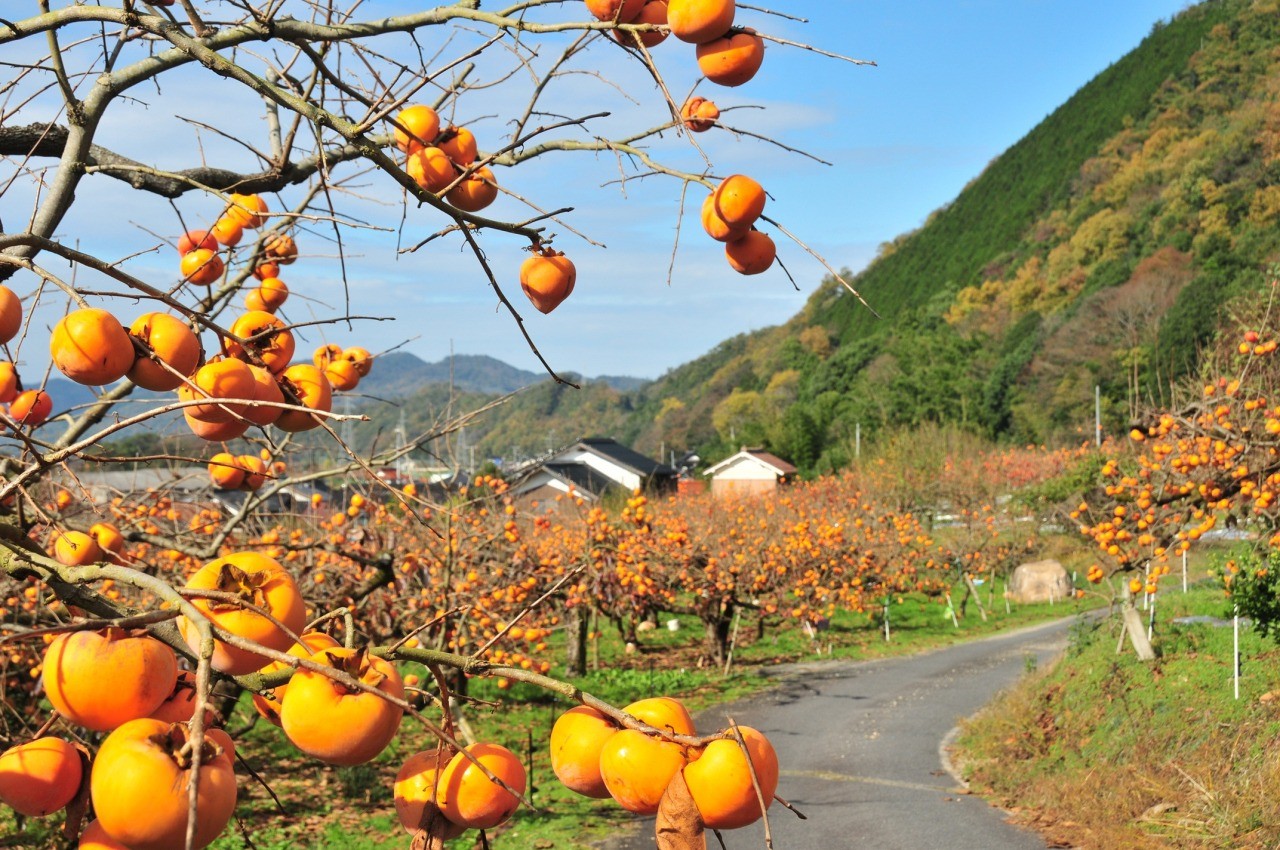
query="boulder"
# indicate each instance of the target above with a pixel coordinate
(1039, 581)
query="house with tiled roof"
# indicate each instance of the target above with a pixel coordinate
(750, 472)
(589, 468)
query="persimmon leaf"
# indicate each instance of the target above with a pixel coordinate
(433, 829)
(679, 824)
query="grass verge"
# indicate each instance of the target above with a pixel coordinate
(1105, 751)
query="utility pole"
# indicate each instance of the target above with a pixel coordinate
(402, 440)
(1097, 415)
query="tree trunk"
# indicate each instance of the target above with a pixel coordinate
(575, 641)
(717, 622)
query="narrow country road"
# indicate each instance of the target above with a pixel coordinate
(860, 748)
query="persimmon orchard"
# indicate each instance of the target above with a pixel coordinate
(141, 620)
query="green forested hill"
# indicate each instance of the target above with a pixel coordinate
(1098, 250)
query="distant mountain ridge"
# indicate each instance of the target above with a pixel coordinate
(400, 374)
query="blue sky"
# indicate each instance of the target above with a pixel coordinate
(957, 82)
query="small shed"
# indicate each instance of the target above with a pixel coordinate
(751, 472)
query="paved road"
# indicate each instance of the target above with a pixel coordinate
(860, 744)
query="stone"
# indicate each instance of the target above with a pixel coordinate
(1039, 581)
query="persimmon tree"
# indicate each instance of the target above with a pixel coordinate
(1208, 460)
(307, 116)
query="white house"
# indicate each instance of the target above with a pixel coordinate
(592, 465)
(748, 473)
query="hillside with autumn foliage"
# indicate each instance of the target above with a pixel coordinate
(1103, 249)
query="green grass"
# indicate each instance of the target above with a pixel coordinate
(1107, 751)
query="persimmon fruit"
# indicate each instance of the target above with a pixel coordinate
(471, 799)
(459, 144)
(40, 777)
(475, 192)
(108, 537)
(337, 725)
(623, 11)
(249, 211)
(719, 780)
(31, 407)
(266, 394)
(194, 239)
(752, 254)
(733, 59)
(219, 381)
(420, 125)
(94, 836)
(180, 705)
(547, 279)
(91, 347)
(665, 713)
(637, 768)
(75, 549)
(216, 432)
(252, 578)
(267, 703)
(201, 266)
(255, 471)
(342, 375)
(264, 335)
(430, 168)
(281, 249)
(227, 231)
(653, 12)
(253, 301)
(8, 382)
(172, 343)
(313, 391)
(101, 679)
(274, 292)
(739, 200)
(150, 810)
(699, 114)
(326, 354)
(698, 21)
(576, 740)
(716, 227)
(361, 357)
(415, 794)
(10, 314)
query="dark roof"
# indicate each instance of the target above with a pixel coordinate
(610, 448)
(581, 476)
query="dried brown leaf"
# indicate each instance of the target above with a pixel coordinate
(433, 829)
(79, 805)
(679, 825)
(424, 840)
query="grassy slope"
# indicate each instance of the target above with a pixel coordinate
(1103, 751)
(994, 211)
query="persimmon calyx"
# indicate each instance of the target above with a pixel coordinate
(176, 742)
(358, 666)
(247, 586)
